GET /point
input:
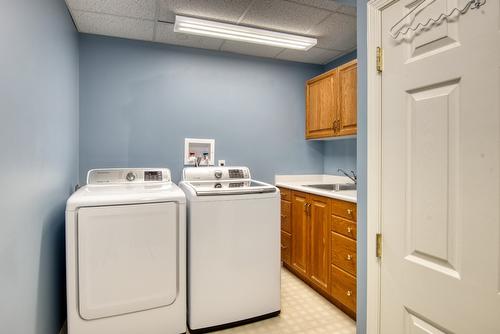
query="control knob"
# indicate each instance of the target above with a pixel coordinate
(130, 176)
(218, 174)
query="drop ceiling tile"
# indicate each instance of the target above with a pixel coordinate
(143, 9)
(284, 16)
(338, 32)
(221, 10)
(110, 25)
(349, 10)
(165, 34)
(251, 49)
(314, 55)
(324, 4)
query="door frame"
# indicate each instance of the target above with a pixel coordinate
(374, 163)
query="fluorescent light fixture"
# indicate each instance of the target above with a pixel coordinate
(189, 25)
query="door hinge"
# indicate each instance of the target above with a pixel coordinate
(379, 245)
(380, 59)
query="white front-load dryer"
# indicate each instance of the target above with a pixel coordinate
(126, 254)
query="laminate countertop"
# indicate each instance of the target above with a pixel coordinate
(298, 182)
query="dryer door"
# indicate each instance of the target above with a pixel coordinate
(127, 258)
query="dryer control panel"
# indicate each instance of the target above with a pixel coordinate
(128, 175)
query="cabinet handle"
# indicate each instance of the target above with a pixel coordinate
(349, 212)
(284, 246)
(309, 208)
(349, 257)
(349, 229)
(349, 293)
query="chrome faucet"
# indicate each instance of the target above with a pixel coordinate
(353, 176)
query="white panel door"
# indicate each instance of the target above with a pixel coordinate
(127, 258)
(440, 171)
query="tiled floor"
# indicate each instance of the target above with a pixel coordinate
(303, 311)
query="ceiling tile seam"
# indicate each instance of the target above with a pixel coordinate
(338, 11)
(317, 24)
(311, 6)
(242, 16)
(330, 13)
(279, 53)
(114, 15)
(157, 16)
(222, 44)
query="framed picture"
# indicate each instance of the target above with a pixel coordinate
(201, 151)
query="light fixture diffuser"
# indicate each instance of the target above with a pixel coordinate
(189, 25)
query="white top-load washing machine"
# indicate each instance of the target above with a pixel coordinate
(126, 254)
(233, 248)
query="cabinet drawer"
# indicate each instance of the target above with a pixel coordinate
(344, 227)
(286, 194)
(286, 209)
(343, 287)
(344, 209)
(286, 241)
(343, 252)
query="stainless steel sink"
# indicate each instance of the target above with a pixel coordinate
(333, 187)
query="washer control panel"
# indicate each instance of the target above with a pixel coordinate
(215, 173)
(153, 175)
(128, 175)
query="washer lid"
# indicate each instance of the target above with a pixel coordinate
(236, 187)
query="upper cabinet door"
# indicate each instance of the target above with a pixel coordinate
(331, 103)
(347, 111)
(321, 105)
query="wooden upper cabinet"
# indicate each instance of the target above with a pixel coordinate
(319, 259)
(299, 256)
(331, 103)
(321, 105)
(347, 111)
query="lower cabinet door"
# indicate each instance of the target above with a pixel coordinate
(343, 287)
(299, 254)
(319, 242)
(286, 240)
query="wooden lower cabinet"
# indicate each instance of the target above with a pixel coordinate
(343, 253)
(286, 247)
(286, 226)
(343, 287)
(300, 233)
(318, 244)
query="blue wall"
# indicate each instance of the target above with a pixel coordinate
(39, 145)
(340, 153)
(139, 100)
(341, 60)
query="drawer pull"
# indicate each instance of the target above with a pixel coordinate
(349, 257)
(284, 247)
(349, 212)
(349, 293)
(349, 229)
